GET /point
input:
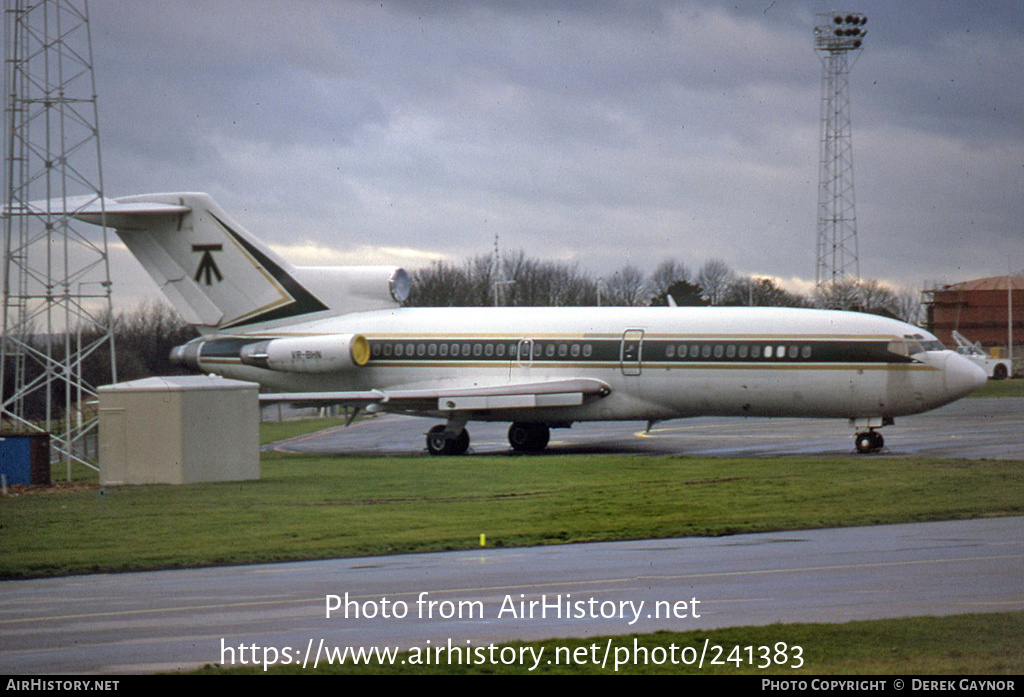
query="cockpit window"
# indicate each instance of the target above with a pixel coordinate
(912, 344)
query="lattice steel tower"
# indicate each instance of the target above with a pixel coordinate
(835, 36)
(56, 284)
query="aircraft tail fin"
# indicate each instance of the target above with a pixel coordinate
(216, 274)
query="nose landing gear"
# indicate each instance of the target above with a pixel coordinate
(869, 442)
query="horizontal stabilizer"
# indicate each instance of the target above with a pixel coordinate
(95, 211)
(131, 216)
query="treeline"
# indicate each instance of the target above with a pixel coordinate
(143, 339)
(526, 282)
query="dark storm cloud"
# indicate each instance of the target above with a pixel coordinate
(689, 129)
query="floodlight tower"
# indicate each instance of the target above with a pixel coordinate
(835, 36)
(56, 283)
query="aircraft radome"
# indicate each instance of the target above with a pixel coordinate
(338, 335)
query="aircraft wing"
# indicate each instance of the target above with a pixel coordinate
(522, 395)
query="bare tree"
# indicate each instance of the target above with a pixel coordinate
(443, 284)
(870, 296)
(875, 297)
(760, 292)
(626, 287)
(144, 337)
(540, 284)
(714, 278)
(842, 294)
(908, 306)
(668, 272)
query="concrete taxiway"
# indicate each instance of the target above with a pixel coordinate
(970, 428)
(164, 620)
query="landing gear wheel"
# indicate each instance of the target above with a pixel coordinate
(869, 442)
(438, 442)
(1000, 372)
(528, 438)
(461, 444)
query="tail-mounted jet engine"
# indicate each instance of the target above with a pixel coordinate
(313, 354)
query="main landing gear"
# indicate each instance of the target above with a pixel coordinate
(528, 438)
(441, 441)
(869, 442)
(453, 438)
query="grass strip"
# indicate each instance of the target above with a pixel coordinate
(1001, 388)
(273, 431)
(314, 507)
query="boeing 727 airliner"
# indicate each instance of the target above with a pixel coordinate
(339, 335)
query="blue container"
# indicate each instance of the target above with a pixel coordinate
(25, 458)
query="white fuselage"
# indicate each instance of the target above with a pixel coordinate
(659, 363)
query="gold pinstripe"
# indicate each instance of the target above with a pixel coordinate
(285, 296)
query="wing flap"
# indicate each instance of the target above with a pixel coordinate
(323, 399)
(524, 395)
(517, 401)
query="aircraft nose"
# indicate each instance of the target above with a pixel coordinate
(962, 376)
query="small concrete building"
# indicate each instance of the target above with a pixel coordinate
(980, 310)
(178, 430)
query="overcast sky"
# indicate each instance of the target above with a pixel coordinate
(603, 133)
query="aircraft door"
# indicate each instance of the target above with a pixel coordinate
(524, 355)
(631, 351)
